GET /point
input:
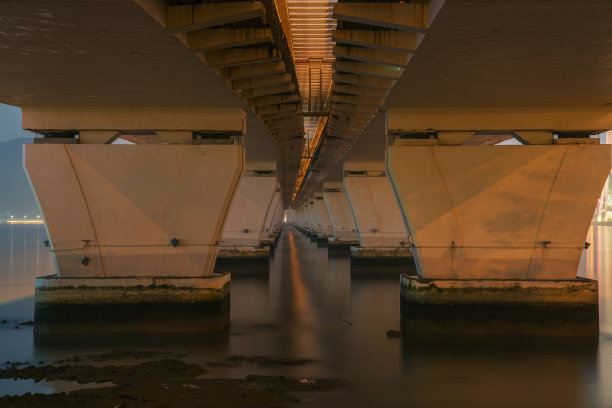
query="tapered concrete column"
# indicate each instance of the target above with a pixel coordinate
(501, 229)
(341, 215)
(122, 206)
(134, 229)
(268, 236)
(245, 225)
(381, 228)
(322, 217)
(152, 212)
(302, 224)
(305, 224)
(277, 223)
(313, 220)
(498, 212)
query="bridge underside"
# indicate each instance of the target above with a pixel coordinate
(375, 121)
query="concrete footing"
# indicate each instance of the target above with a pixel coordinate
(132, 304)
(245, 260)
(340, 248)
(243, 253)
(508, 307)
(379, 255)
(322, 240)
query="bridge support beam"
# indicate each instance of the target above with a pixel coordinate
(382, 234)
(343, 222)
(134, 231)
(498, 232)
(245, 225)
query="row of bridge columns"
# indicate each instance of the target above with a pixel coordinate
(495, 233)
(136, 230)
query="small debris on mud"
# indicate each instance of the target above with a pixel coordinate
(122, 355)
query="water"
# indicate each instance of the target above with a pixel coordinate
(311, 307)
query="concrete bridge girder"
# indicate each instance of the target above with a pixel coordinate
(182, 18)
(223, 38)
(393, 16)
(260, 82)
(369, 69)
(273, 100)
(289, 88)
(234, 57)
(389, 40)
(251, 70)
(361, 91)
(373, 55)
(358, 100)
(370, 59)
(517, 119)
(254, 60)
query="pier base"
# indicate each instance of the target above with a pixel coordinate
(243, 253)
(380, 255)
(244, 260)
(132, 304)
(338, 247)
(508, 307)
(322, 240)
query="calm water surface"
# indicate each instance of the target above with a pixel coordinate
(309, 306)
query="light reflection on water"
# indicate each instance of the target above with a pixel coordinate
(311, 307)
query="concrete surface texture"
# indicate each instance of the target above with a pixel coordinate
(274, 217)
(498, 212)
(114, 210)
(340, 213)
(374, 206)
(313, 219)
(493, 306)
(323, 215)
(250, 206)
(131, 304)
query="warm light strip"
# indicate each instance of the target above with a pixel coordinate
(312, 27)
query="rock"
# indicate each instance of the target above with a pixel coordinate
(393, 333)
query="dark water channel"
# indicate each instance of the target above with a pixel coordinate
(311, 307)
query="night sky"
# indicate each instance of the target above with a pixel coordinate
(15, 194)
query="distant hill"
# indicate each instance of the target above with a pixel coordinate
(16, 196)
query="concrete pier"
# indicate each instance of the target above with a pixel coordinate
(134, 230)
(245, 236)
(383, 237)
(498, 232)
(344, 229)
